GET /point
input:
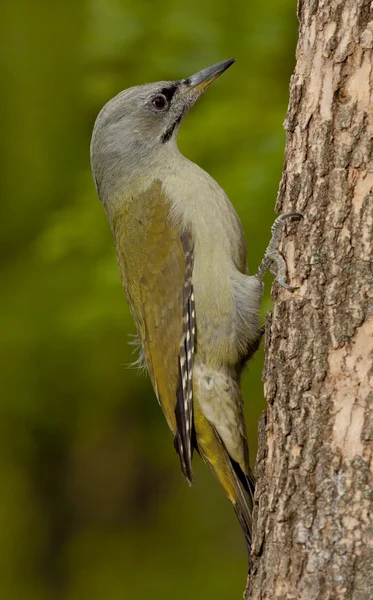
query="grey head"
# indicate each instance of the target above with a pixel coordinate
(137, 128)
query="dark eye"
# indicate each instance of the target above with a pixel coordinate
(159, 102)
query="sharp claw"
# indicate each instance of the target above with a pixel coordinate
(290, 214)
(286, 286)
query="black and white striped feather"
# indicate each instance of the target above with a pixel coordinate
(184, 404)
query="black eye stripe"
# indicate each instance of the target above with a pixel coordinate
(169, 91)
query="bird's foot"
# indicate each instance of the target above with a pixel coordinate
(272, 258)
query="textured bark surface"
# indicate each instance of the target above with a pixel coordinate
(313, 535)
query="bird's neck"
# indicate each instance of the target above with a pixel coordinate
(130, 174)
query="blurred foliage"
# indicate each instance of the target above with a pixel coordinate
(92, 501)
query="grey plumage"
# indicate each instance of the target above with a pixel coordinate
(182, 257)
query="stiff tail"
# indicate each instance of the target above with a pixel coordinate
(243, 502)
(238, 486)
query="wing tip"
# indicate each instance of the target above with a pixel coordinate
(185, 460)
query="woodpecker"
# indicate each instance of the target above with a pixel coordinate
(181, 252)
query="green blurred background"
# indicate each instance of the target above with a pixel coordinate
(92, 501)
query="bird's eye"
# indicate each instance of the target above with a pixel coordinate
(159, 102)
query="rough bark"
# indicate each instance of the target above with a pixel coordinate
(313, 536)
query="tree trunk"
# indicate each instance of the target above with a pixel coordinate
(313, 533)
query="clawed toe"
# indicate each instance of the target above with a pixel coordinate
(272, 258)
(287, 215)
(286, 286)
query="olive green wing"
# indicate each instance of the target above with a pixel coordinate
(156, 267)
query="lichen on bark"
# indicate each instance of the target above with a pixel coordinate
(313, 533)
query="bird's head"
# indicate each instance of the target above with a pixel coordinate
(141, 122)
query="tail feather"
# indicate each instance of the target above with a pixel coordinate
(238, 486)
(247, 480)
(244, 501)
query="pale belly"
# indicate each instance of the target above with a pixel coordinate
(226, 307)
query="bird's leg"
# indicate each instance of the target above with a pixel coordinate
(272, 258)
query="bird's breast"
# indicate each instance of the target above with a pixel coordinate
(201, 207)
